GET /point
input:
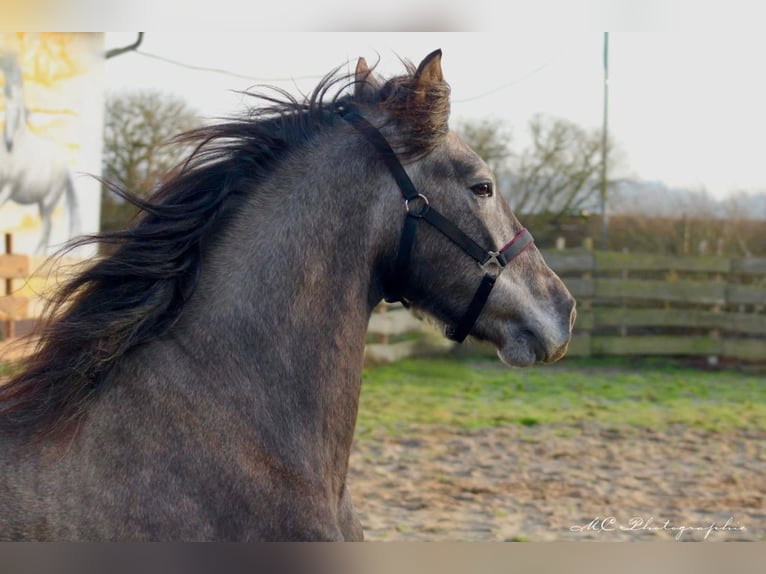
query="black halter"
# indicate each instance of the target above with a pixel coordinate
(491, 262)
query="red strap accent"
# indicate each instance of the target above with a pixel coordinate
(526, 240)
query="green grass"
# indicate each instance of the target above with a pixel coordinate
(473, 393)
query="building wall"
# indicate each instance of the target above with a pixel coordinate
(59, 82)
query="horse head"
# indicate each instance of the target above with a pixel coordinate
(462, 256)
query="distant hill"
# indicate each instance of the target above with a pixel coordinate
(655, 199)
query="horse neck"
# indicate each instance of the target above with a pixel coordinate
(278, 322)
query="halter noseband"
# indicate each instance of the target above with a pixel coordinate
(493, 263)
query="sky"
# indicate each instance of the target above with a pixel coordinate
(685, 108)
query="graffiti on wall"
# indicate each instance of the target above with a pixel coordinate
(51, 99)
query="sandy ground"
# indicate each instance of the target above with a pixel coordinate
(562, 484)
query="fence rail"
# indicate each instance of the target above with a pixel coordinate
(25, 281)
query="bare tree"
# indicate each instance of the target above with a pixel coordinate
(490, 138)
(558, 173)
(556, 176)
(138, 130)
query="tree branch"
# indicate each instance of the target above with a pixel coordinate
(129, 48)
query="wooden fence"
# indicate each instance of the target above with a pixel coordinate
(628, 304)
(25, 281)
(633, 304)
(395, 333)
(13, 307)
(645, 304)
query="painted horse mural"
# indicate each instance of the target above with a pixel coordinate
(33, 169)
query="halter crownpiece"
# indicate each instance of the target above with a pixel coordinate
(418, 208)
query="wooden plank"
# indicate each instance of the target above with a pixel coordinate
(389, 353)
(745, 323)
(744, 349)
(749, 266)
(619, 317)
(395, 322)
(615, 261)
(700, 292)
(15, 307)
(746, 294)
(580, 288)
(585, 321)
(569, 261)
(580, 345)
(656, 345)
(14, 266)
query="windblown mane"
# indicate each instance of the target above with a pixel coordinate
(135, 294)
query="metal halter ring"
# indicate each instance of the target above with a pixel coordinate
(492, 260)
(422, 211)
(493, 266)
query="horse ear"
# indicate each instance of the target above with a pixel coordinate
(429, 72)
(362, 70)
(365, 84)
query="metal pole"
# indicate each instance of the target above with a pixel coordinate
(604, 144)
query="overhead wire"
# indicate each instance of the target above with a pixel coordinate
(504, 86)
(317, 77)
(222, 71)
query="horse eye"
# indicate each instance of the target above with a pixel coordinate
(482, 189)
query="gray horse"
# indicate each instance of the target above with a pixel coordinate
(202, 382)
(33, 169)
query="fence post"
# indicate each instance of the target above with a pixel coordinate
(587, 304)
(715, 333)
(623, 305)
(10, 327)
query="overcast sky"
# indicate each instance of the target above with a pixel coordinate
(687, 109)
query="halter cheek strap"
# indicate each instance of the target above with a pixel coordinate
(492, 262)
(511, 250)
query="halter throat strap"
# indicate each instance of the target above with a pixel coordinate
(492, 262)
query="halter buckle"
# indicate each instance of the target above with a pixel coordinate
(426, 205)
(493, 261)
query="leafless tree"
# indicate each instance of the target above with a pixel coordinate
(558, 173)
(555, 176)
(138, 149)
(490, 138)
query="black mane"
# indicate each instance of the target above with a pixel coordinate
(136, 293)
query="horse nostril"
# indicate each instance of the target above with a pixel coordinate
(541, 354)
(549, 349)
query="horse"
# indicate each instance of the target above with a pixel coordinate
(202, 381)
(33, 169)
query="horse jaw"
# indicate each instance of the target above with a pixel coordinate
(522, 348)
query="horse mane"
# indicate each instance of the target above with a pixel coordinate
(136, 293)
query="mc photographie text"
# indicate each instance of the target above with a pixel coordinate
(651, 524)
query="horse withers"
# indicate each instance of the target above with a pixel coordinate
(202, 381)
